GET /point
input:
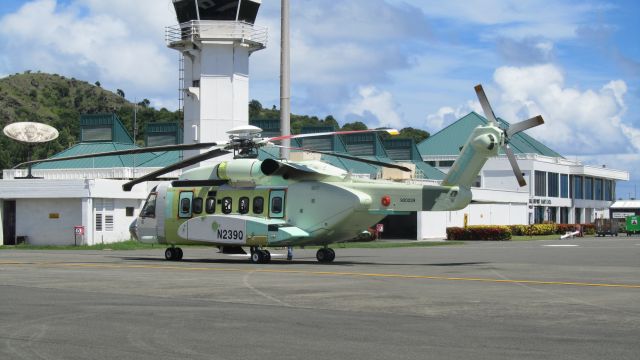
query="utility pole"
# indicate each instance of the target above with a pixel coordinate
(285, 97)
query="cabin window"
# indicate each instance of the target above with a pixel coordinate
(243, 205)
(149, 209)
(258, 205)
(210, 205)
(276, 205)
(227, 205)
(197, 205)
(184, 205)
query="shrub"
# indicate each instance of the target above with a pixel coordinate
(479, 232)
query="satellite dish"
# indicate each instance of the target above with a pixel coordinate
(30, 132)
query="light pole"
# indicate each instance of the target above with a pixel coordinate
(285, 125)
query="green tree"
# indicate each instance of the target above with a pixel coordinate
(98, 83)
(120, 93)
(415, 134)
(255, 107)
(358, 125)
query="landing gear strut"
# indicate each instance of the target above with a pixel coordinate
(325, 255)
(173, 254)
(259, 256)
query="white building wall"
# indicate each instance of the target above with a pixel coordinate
(33, 220)
(434, 224)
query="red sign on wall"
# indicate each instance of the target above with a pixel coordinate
(78, 230)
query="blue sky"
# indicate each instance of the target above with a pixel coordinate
(386, 62)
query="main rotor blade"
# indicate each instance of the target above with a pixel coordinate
(179, 165)
(346, 132)
(514, 165)
(524, 125)
(351, 157)
(124, 152)
(486, 107)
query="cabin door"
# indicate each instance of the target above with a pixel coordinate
(276, 203)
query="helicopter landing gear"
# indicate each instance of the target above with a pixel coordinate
(325, 255)
(173, 254)
(259, 256)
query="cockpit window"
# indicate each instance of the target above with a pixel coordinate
(149, 208)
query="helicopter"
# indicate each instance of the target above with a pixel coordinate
(247, 202)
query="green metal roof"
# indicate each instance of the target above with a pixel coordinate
(159, 159)
(103, 127)
(449, 140)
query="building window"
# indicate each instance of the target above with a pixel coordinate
(98, 222)
(258, 205)
(607, 190)
(108, 223)
(588, 188)
(104, 213)
(129, 211)
(541, 183)
(597, 187)
(552, 190)
(577, 187)
(564, 186)
(445, 163)
(478, 182)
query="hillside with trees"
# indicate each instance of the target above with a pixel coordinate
(59, 101)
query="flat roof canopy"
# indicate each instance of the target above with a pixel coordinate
(238, 10)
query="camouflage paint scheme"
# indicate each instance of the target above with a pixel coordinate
(322, 204)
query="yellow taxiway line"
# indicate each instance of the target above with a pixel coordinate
(317, 273)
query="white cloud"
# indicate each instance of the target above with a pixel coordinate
(447, 115)
(116, 42)
(585, 122)
(374, 107)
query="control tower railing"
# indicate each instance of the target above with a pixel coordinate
(253, 36)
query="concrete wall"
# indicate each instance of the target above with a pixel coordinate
(32, 220)
(433, 224)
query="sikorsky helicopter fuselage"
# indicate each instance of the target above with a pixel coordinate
(270, 203)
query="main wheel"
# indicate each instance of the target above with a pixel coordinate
(179, 254)
(267, 256)
(257, 257)
(170, 254)
(331, 254)
(325, 255)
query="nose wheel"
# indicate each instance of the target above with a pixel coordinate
(325, 255)
(173, 254)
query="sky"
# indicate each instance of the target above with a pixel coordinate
(392, 63)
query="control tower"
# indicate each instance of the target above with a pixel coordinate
(215, 38)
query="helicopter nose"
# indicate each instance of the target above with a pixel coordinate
(133, 230)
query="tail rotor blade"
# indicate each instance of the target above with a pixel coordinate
(524, 125)
(486, 107)
(514, 165)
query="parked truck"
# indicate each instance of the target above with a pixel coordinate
(632, 225)
(606, 227)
